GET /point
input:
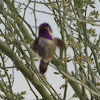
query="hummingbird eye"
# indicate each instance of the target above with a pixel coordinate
(45, 28)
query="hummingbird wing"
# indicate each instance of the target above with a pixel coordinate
(35, 45)
(59, 43)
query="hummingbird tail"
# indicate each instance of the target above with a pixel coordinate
(43, 67)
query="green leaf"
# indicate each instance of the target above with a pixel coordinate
(92, 6)
(23, 93)
(56, 73)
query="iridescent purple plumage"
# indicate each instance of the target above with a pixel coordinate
(43, 32)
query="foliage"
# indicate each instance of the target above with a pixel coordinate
(76, 26)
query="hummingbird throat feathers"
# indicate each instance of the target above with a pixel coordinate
(50, 33)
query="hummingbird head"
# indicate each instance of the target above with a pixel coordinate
(45, 31)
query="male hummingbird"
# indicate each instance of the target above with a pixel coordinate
(45, 46)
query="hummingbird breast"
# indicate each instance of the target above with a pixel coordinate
(46, 48)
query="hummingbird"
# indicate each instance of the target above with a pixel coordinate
(45, 45)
